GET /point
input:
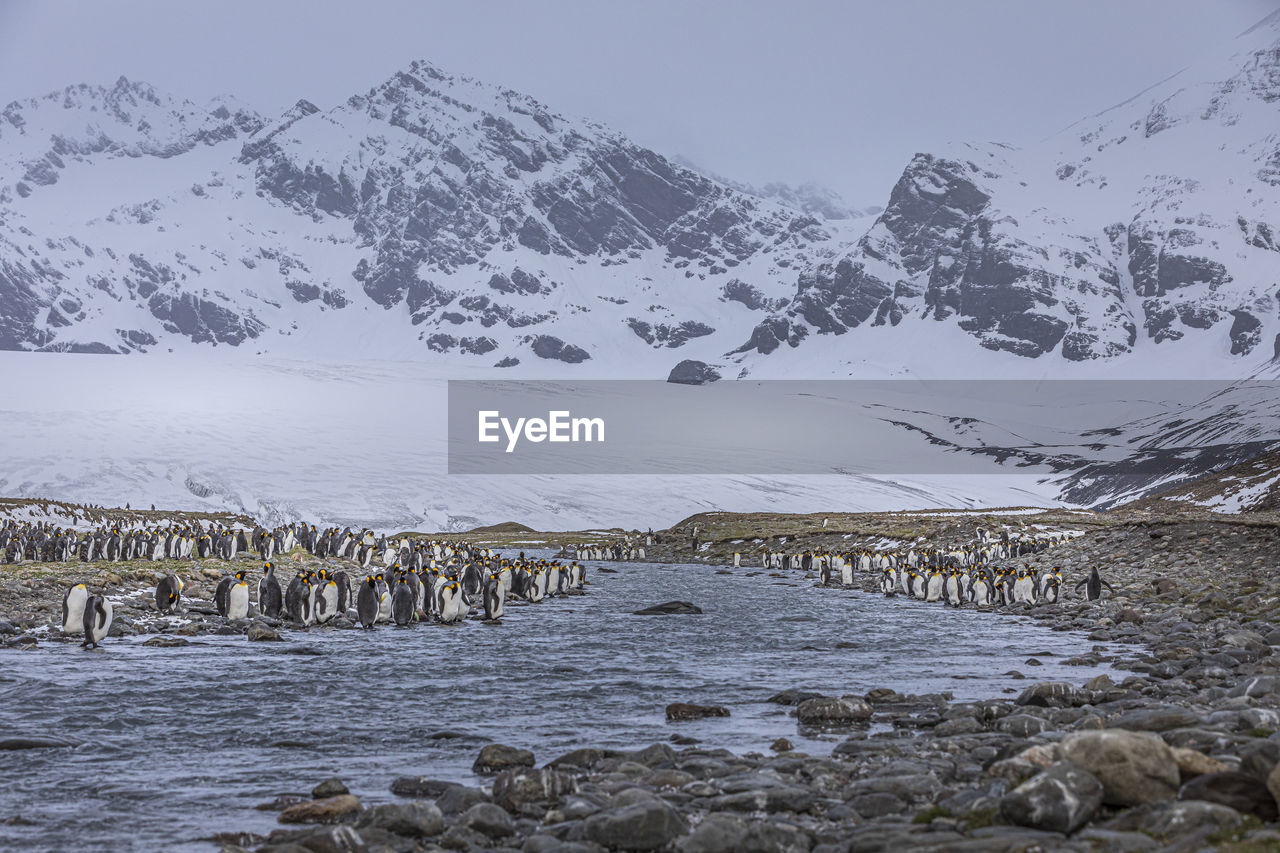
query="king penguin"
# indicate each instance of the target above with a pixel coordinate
(367, 602)
(1093, 585)
(238, 598)
(221, 593)
(402, 603)
(270, 599)
(495, 596)
(73, 602)
(168, 593)
(933, 587)
(954, 588)
(97, 621)
(384, 597)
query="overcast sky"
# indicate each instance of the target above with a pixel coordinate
(841, 92)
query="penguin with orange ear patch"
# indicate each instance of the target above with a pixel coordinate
(367, 602)
(168, 593)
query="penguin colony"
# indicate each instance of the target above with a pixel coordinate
(619, 551)
(978, 573)
(401, 581)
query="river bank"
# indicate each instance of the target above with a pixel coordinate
(1178, 752)
(1182, 754)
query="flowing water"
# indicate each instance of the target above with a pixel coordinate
(176, 744)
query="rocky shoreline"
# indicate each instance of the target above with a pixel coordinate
(1181, 754)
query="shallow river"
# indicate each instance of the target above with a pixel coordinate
(175, 744)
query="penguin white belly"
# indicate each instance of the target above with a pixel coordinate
(933, 591)
(448, 604)
(238, 601)
(73, 609)
(97, 628)
(330, 596)
(952, 587)
(1022, 590)
(979, 592)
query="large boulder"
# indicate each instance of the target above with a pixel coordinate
(690, 372)
(828, 710)
(1054, 694)
(1239, 791)
(1133, 767)
(497, 757)
(687, 711)
(488, 819)
(1177, 820)
(721, 833)
(529, 791)
(646, 825)
(1155, 719)
(1060, 799)
(412, 820)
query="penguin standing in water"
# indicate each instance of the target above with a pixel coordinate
(448, 601)
(326, 597)
(73, 602)
(293, 597)
(238, 598)
(344, 590)
(824, 571)
(270, 599)
(1093, 585)
(367, 603)
(954, 588)
(168, 593)
(1024, 588)
(96, 622)
(415, 586)
(402, 603)
(308, 606)
(933, 587)
(552, 586)
(537, 585)
(846, 571)
(980, 588)
(384, 597)
(495, 596)
(887, 581)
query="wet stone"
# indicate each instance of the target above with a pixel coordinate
(496, 757)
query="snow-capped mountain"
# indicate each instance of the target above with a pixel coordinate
(439, 217)
(437, 214)
(343, 261)
(1154, 221)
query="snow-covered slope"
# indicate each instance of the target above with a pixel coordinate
(1152, 224)
(429, 216)
(302, 283)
